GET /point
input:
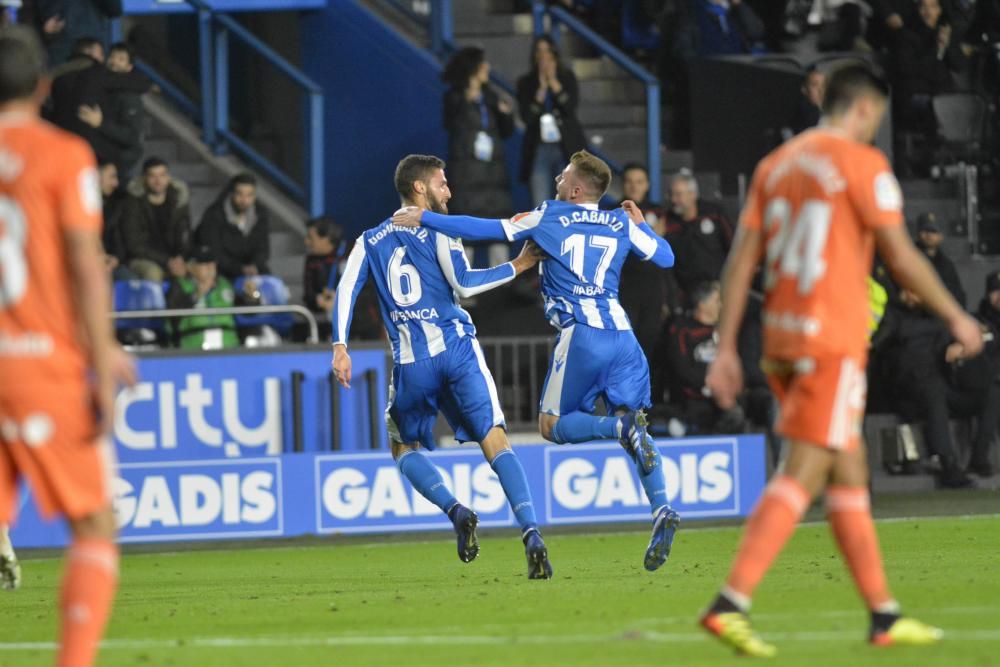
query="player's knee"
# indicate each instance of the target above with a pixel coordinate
(97, 526)
(546, 426)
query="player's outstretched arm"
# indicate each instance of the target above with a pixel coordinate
(351, 282)
(469, 282)
(458, 226)
(725, 375)
(912, 270)
(640, 234)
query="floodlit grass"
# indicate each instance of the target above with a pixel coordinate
(413, 603)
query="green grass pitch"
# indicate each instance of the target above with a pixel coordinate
(413, 603)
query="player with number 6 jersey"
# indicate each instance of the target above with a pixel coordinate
(596, 354)
(419, 276)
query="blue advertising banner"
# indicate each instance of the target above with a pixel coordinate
(232, 405)
(309, 493)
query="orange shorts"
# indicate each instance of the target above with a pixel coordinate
(49, 438)
(821, 401)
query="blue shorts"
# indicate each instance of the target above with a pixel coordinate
(587, 363)
(456, 382)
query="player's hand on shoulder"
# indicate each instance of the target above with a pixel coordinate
(968, 333)
(342, 366)
(123, 369)
(529, 256)
(633, 211)
(725, 378)
(408, 216)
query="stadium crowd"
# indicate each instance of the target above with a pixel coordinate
(928, 47)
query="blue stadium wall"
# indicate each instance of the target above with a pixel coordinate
(383, 101)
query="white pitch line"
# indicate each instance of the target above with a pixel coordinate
(988, 635)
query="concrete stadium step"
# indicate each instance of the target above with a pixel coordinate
(285, 243)
(598, 68)
(508, 54)
(471, 24)
(926, 188)
(612, 91)
(604, 115)
(617, 139)
(202, 197)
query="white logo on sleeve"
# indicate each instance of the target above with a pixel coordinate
(90, 191)
(888, 196)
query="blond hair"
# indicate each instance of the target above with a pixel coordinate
(593, 171)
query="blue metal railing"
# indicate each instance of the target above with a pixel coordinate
(212, 111)
(559, 16)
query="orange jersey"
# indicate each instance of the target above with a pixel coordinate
(818, 199)
(48, 184)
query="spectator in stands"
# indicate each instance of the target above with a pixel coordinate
(237, 230)
(477, 122)
(547, 97)
(120, 123)
(984, 379)
(114, 202)
(323, 241)
(924, 58)
(698, 232)
(156, 223)
(807, 108)
(62, 22)
(726, 27)
(888, 19)
(929, 239)
(642, 285)
(916, 352)
(203, 288)
(87, 99)
(691, 345)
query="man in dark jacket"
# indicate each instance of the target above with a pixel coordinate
(100, 103)
(691, 346)
(237, 230)
(112, 238)
(156, 223)
(698, 232)
(929, 238)
(324, 249)
(62, 22)
(118, 126)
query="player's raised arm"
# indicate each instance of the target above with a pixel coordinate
(649, 245)
(354, 278)
(470, 282)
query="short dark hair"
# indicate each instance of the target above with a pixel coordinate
(593, 170)
(850, 82)
(243, 178)
(121, 46)
(152, 162)
(84, 44)
(702, 291)
(22, 62)
(635, 165)
(414, 168)
(326, 228)
(462, 65)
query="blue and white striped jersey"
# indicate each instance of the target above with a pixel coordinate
(419, 275)
(586, 249)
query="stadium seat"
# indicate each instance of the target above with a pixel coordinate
(961, 122)
(139, 295)
(273, 292)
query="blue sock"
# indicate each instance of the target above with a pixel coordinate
(426, 479)
(581, 427)
(515, 485)
(654, 484)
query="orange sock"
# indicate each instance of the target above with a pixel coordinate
(88, 588)
(770, 525)
(849, 513)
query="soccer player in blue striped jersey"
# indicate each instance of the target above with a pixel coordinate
(596, 353)
(419, 275)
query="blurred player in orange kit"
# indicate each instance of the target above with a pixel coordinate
(59, 362)
(819, 205)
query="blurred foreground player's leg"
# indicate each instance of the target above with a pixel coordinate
(10, 569)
